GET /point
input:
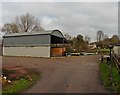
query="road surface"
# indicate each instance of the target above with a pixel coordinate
(78, 74)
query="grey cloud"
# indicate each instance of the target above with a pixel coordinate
(70, 17)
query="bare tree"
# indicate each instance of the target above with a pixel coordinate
(87, 39)
(100, 35)
(28, 23)
(105, 37)
(24, 23)
(9, 28)
(67, 36)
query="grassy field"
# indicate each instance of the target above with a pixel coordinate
(110, 76)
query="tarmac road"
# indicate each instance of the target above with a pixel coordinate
(78, 74)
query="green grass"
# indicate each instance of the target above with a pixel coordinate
(105, 73)
(105, 51)
(20, 85)
(113, 85)
(16, 87)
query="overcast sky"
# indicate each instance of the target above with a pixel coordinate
(74, 18)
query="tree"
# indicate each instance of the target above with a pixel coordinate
(87, 39)
(24, 23)
(114, 39)
(107, 41)
(9, 28)
(81, 44)
(67, 36)
(80, 37)
(100, 35)
(105, 37)
(77, 44)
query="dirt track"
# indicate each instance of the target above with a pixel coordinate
(63, 75)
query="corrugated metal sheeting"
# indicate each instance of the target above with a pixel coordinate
(32, 40)
(36, 44)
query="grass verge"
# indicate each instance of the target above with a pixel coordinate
(20, 85)
(110, 76)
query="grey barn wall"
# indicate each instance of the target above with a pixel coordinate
(30, 40)
(36, 51)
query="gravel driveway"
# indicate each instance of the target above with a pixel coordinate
(78, 74)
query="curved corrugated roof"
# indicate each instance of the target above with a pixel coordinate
(48, 32)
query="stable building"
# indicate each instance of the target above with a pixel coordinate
(35, 44)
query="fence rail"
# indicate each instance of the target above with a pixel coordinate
(116, 57)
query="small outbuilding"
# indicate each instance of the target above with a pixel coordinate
(34, 44)
(116, 49)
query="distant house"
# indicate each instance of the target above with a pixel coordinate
(116, 49)
(34, 44)
(92, 45)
